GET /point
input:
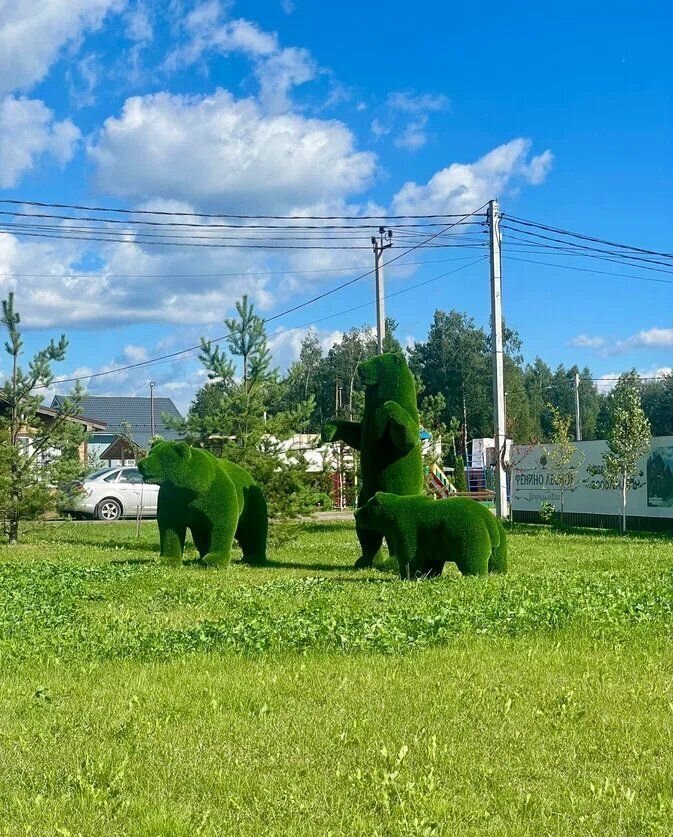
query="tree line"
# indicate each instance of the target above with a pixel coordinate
(452, 366)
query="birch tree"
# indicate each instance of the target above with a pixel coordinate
(628, 439)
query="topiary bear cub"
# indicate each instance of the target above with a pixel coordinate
(424, 533)
(216, 499)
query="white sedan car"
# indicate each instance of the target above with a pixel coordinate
(114, 493)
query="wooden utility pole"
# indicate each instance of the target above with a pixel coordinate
(152, 427)
(499, 418)
(384, 241)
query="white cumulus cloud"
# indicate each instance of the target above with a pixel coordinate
(208, 30)
(606, 383)
(650, 338)
(462, 187)
(139, 25)
(417, 103)
(285, 344)
(28, 131)
(413, 136)
(586, 341)
(279, 73)
(218, 151)
(33, 33)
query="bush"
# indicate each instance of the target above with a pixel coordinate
(459, 478)
(547, 512)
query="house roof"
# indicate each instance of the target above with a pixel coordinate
(49, 412)
(130, 416)
(91, 423)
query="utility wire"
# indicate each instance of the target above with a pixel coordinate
(529, 223)
(183, 352)
(560, 252)
(387, 296)
(249, 274)
(209, 233)
(567, 247)
(588, 247)
(188, 224)
(284, 313)
(550, 249)
(382, 217)
(589, 270)
(236, 246)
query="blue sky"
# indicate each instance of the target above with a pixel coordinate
(288, 107)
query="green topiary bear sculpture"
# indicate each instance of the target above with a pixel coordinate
(424, 533)
(217, 500)
(388, 438)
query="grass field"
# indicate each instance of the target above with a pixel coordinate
(306, 698)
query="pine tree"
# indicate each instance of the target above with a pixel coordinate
(39, 455)
(235, 417)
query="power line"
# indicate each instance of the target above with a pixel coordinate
(567, 248)
(590, 270)
(192, 224)
(212, 233)
(589, 248)
(640, 378)
(173, 356)
(529, 223)
(162, 212)
(536, 246)
(284, 313)
(249, 274)
(387, 296)
(236, 246)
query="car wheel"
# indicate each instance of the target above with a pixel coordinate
(108, 510)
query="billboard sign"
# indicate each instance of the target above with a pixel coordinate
(535, 479)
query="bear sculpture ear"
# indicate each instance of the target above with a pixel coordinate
(183, 450)
(155, 442)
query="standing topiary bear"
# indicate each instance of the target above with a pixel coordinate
(424, 533)
(217, 500)
(388, 438)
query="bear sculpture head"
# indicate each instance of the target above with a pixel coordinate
(168, 462)
(378, 508)
(388, 378)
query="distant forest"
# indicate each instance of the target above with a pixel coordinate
(453, 371)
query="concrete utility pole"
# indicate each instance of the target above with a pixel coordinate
(578, 423)
(152, 385)
(499, 420)
(379, 246)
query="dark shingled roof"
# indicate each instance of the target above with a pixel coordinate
(129, 416)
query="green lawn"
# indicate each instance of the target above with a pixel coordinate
(305, 698)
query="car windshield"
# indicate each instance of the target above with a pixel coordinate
(131, 475)
(100, 474)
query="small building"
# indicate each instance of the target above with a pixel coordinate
(481, 463)
(126, 430)
(47, 415)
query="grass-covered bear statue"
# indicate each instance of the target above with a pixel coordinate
(388, 438)
(424, 533)
(217, 500)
